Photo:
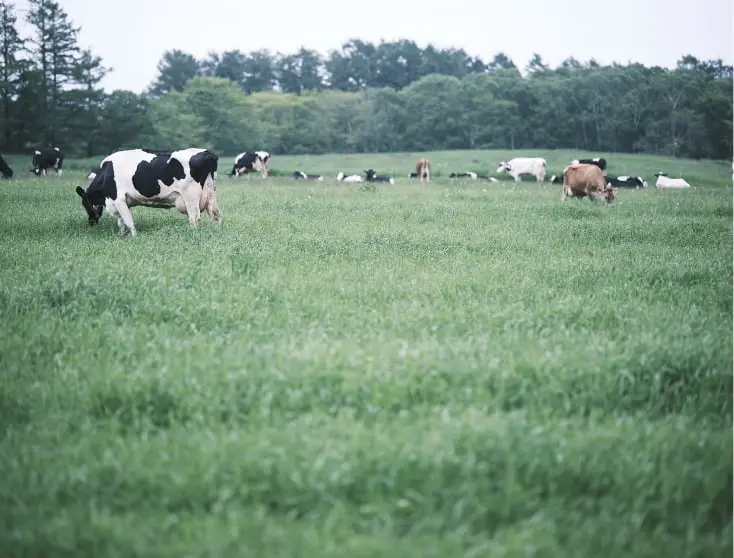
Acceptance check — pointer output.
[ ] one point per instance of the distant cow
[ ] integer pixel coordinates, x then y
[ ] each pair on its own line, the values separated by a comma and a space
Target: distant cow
47, 158
5, 169
626, 181
423, 169
372, 176
489, 178
664, 182
349, 179
524, 165
298, 175
185, 179
471, 175
598, 161
581, 180
252, 161
556, 179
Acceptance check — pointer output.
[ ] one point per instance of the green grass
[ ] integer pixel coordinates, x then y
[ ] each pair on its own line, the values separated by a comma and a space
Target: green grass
458, 369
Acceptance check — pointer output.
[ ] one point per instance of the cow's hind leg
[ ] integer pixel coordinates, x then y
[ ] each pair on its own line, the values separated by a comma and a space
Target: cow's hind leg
212, 208
191, 201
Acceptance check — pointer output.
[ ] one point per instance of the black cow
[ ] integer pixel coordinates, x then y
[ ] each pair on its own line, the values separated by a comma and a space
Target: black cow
5, 169
247, 162
598, 161
47, 158
372, 176
626, 181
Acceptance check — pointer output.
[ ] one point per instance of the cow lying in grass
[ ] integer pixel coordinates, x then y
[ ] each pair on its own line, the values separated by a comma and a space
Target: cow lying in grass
352, 178
664, 181
372, 176
184, 179
298, 175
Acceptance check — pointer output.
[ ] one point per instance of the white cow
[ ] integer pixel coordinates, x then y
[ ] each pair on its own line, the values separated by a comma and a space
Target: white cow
349, 179
184, 179
664, 181
524, 165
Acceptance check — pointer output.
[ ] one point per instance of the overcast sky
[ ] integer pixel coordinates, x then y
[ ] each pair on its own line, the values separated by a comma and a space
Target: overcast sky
131, 35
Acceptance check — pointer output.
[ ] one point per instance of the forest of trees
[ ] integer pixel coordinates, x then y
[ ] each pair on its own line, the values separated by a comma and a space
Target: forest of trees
393, 96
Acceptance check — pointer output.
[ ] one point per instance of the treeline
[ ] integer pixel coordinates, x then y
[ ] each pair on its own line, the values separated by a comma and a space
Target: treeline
394, 96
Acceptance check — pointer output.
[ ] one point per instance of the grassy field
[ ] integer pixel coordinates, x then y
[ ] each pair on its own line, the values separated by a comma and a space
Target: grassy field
458, 369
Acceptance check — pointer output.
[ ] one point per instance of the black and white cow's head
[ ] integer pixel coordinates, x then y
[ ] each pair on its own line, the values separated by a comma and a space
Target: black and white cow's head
504, 167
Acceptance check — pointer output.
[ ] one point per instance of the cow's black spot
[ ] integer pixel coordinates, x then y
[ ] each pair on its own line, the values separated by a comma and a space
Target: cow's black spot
172, 171
145, 180
202, 165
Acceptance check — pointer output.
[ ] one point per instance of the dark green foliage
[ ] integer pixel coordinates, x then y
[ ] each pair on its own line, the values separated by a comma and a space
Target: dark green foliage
361, 98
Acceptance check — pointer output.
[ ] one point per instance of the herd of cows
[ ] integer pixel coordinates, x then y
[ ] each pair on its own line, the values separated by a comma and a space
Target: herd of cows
186, 179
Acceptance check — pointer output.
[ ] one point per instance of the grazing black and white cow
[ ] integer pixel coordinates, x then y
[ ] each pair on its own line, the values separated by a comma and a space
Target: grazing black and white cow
251, 161
372, 176
626, 181
5, 169
598, 161
298, 175
47, 158
470, 175
185, 179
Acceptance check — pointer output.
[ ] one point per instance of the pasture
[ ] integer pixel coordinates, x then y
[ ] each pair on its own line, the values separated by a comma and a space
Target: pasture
453, 369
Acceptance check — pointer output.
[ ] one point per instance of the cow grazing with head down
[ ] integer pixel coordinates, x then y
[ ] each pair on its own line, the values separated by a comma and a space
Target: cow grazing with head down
598, 161
664, 181
524, 165
298, 175
423, 169
372, 176
352, 178
185, 179
47, 158
252, 161
626, 181
5, 169
581, 180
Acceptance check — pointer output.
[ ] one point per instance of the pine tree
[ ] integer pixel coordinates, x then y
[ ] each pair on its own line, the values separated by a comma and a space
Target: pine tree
12, 65
55, 51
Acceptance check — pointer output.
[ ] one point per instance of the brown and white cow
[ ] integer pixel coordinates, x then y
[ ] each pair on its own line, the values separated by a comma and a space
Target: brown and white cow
423, 169
581, 180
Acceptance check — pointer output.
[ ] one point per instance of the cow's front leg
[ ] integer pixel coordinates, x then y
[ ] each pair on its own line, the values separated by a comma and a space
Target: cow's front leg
127, 217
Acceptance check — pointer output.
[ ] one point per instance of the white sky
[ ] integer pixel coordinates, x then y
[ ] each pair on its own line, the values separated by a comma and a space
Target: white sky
131, 35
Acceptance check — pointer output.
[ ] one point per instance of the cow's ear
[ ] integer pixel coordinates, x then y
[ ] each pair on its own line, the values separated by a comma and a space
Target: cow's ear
80, 191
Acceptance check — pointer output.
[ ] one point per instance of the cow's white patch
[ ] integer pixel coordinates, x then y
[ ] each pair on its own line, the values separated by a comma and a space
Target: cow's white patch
623, 178
57, 149
38, 152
